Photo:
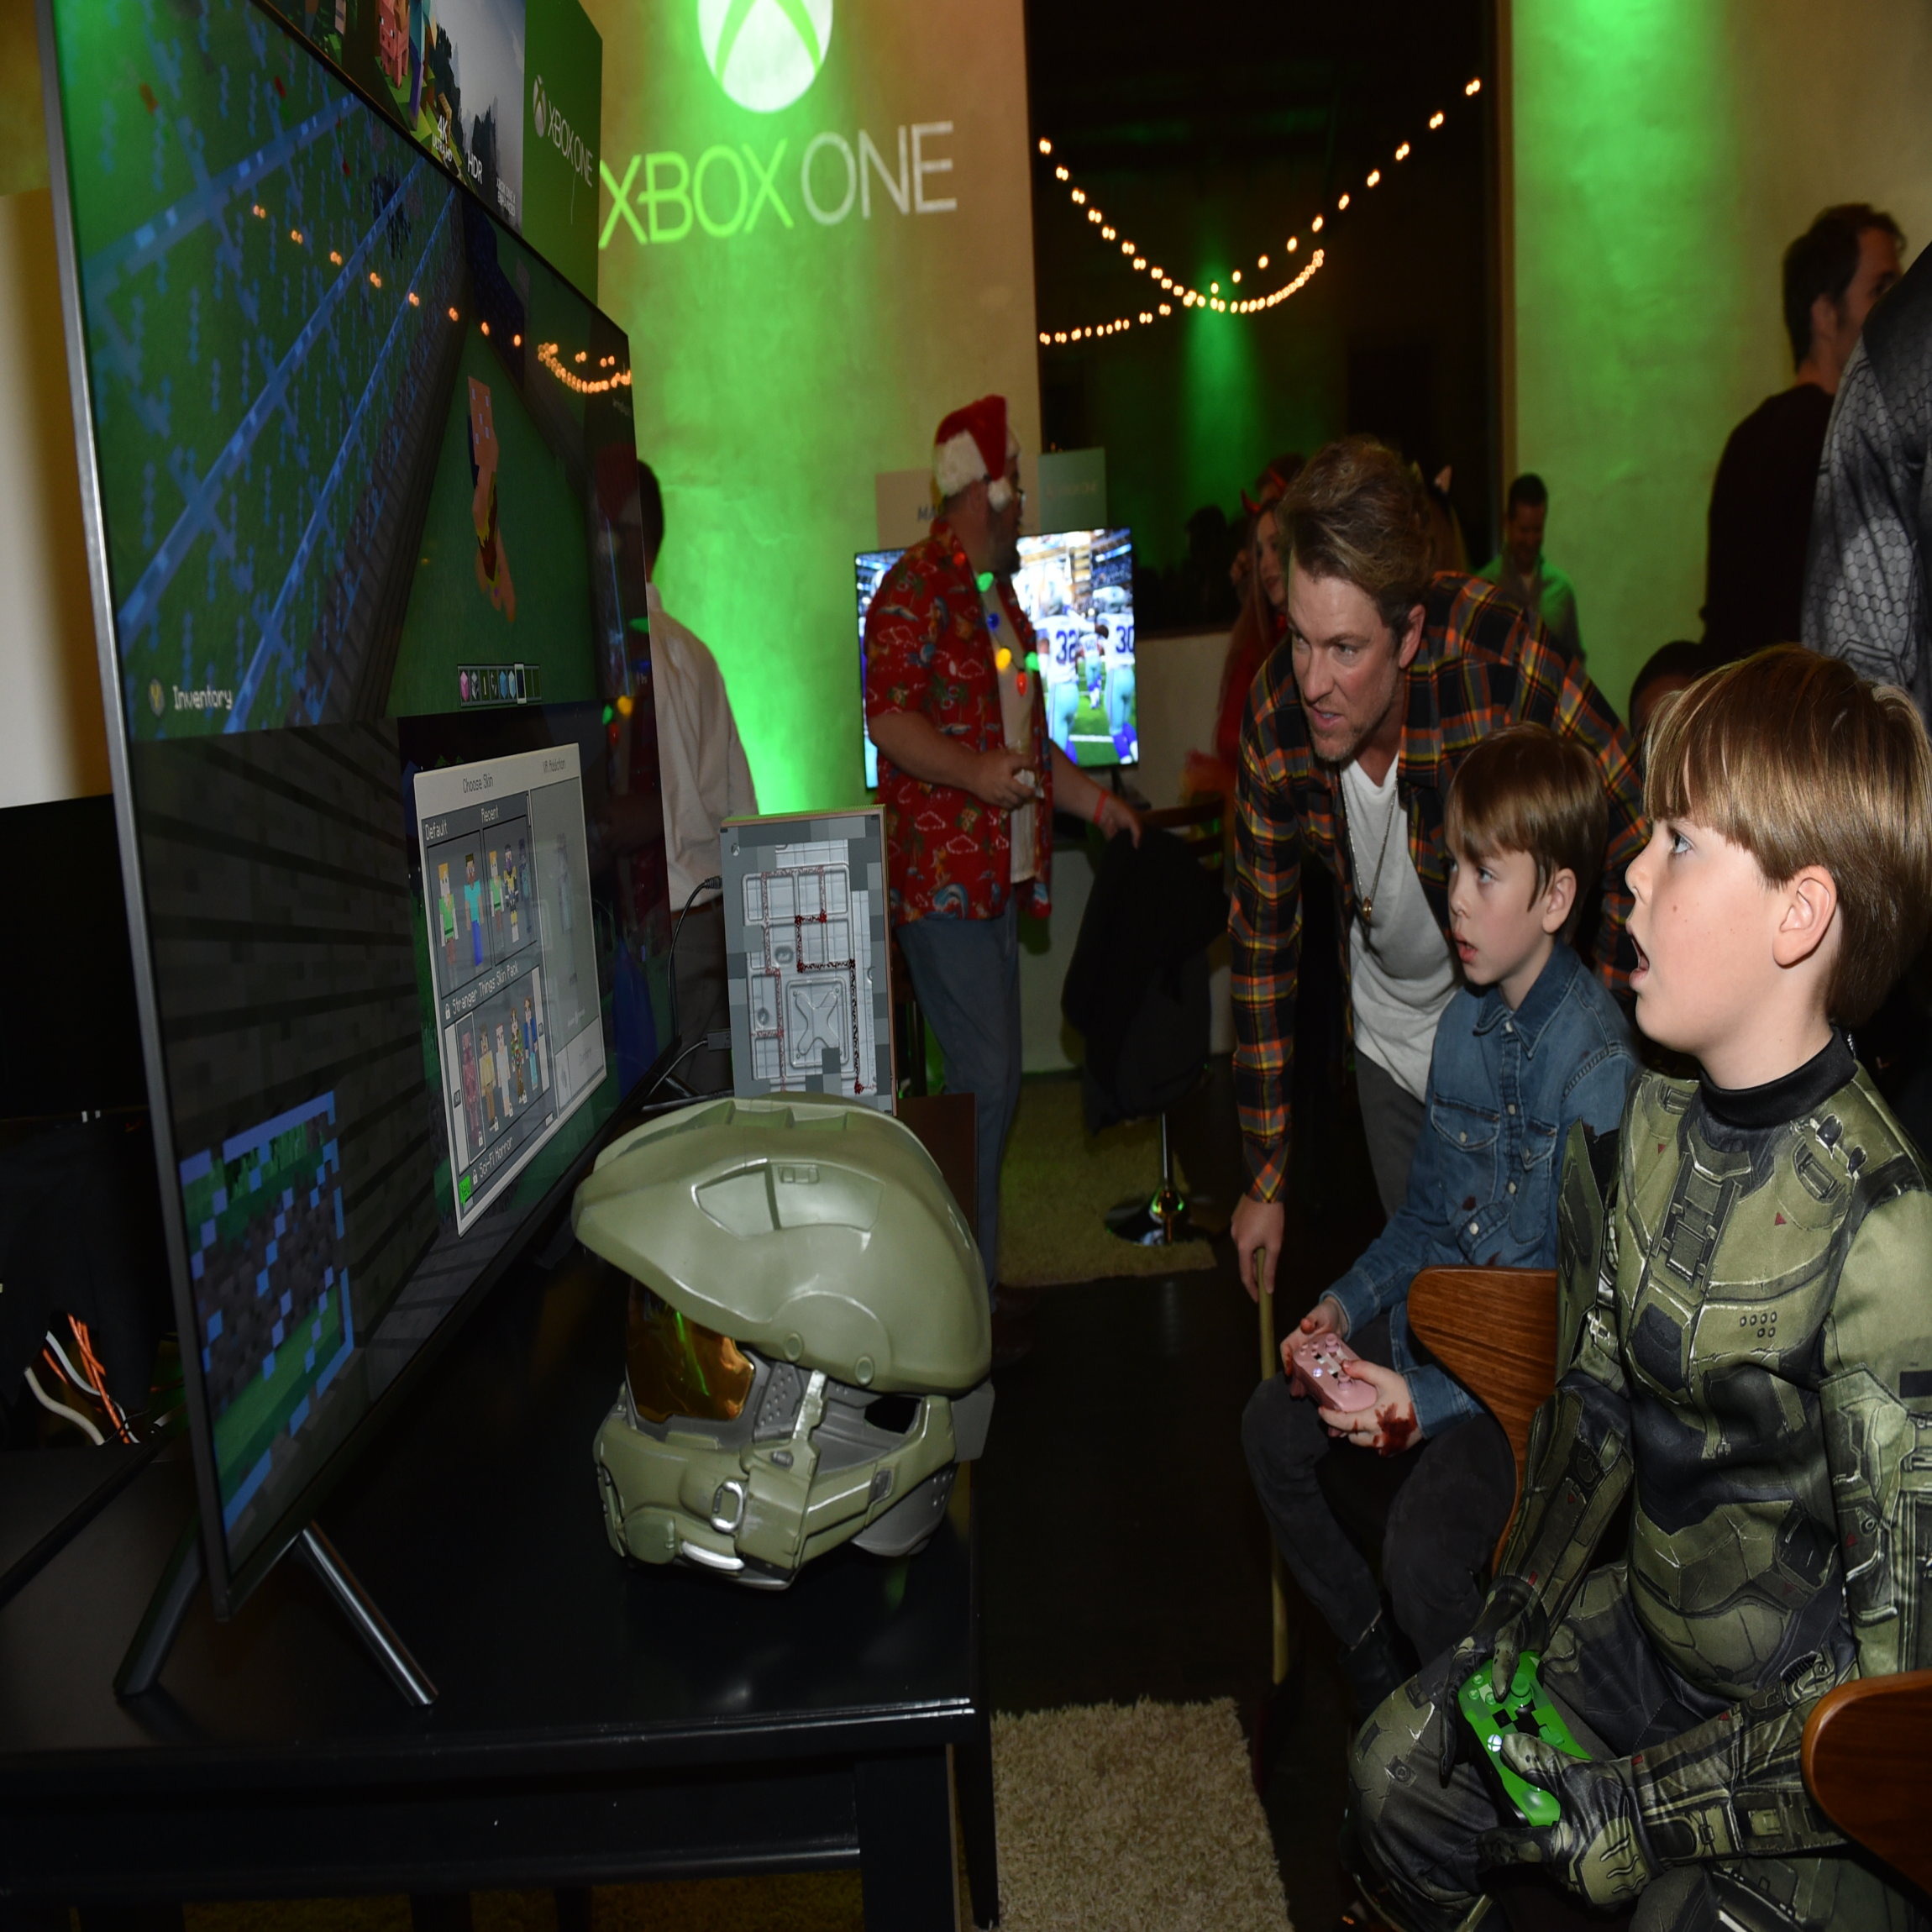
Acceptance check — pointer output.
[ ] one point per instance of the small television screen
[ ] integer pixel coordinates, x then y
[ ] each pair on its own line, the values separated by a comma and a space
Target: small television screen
361, 481
1076, 589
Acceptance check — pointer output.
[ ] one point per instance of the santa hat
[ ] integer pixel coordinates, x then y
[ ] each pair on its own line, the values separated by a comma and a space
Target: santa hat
972, 445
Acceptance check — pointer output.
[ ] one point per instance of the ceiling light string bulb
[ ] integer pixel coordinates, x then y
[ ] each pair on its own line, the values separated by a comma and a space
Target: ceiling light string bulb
1192, 297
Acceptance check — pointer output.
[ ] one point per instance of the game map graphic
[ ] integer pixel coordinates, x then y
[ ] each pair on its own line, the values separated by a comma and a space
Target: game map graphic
805, 953
331, 400
511, 950
268, 1263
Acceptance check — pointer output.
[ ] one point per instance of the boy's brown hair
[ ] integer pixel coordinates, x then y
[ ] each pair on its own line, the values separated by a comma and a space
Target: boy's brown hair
1800, 761
1527, 790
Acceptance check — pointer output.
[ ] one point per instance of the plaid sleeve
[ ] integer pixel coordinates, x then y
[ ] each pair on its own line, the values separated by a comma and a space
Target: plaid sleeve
1265, 933
1555, 690
900, 631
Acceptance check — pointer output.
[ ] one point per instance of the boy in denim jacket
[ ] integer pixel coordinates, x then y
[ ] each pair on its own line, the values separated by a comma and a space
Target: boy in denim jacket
1530, 1044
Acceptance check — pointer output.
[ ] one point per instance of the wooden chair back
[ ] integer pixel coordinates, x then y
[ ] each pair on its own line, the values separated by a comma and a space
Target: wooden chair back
1868, 1757
1494, 1329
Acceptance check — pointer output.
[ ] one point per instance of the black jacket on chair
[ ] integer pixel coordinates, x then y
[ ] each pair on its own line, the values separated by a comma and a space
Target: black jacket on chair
1137, 987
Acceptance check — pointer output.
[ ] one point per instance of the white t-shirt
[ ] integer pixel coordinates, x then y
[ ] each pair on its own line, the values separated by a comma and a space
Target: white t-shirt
1401, 973
703, 772
1016, 719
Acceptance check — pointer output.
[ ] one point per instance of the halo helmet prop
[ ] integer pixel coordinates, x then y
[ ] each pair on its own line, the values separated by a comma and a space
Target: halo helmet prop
808, 1341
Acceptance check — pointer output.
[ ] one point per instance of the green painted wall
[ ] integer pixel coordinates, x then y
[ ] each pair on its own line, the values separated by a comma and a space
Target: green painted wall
782, 357
1664, 153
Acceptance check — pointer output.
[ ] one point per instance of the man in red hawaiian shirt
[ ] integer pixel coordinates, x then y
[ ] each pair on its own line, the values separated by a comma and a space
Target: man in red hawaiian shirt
967, 774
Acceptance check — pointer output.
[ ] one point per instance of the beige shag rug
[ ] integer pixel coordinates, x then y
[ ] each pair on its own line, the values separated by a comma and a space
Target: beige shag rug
1127, 1818
1112, 1819
1058, 1182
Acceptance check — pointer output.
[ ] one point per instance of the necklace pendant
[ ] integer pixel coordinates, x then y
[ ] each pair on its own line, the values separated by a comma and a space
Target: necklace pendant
1367, 910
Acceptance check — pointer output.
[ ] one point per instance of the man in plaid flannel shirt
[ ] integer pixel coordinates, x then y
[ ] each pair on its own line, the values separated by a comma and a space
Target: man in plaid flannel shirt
1387, 677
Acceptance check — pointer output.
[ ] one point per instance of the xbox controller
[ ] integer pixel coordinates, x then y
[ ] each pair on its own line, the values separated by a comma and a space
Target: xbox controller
1322, 1361
1524, 1707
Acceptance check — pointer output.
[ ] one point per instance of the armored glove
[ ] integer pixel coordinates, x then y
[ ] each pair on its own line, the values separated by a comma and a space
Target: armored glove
1511, 1621
1597, 1848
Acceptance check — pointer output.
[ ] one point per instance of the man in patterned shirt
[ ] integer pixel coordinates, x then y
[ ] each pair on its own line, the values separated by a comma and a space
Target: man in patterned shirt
1353, 731
967, 775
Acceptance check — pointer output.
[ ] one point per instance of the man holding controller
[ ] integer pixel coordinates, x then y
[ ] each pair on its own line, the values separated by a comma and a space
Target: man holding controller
969, 779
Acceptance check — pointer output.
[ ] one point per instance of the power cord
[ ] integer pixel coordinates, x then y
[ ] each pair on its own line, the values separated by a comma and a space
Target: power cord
713, 884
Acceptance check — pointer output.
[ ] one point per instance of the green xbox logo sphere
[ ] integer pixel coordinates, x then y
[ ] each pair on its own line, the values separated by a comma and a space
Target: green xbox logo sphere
765, 53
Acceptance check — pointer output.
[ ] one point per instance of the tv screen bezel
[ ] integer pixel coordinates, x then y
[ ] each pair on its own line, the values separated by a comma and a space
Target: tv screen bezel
230, 1584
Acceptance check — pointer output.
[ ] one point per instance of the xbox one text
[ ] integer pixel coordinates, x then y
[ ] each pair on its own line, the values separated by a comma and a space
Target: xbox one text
663, 196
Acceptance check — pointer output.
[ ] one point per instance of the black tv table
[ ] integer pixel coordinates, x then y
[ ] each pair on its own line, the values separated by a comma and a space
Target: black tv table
598, 1722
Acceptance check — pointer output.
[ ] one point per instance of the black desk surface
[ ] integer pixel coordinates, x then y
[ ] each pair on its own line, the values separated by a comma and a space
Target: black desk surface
475, 1525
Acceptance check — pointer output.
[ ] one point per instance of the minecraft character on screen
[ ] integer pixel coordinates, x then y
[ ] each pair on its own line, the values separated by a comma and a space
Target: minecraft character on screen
539, 1073
472, 1102
473, 904
517, 1051
513, 893
486, 1071
446, 911
1744, 1272
503, 1075
492, 560
496, 897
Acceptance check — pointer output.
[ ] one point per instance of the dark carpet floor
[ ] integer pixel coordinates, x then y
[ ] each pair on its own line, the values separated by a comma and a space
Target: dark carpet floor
1125, 1556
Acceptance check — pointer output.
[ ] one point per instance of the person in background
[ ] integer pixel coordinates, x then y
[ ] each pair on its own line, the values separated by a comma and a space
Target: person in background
1666, 670
1351, 736
969, 780
1761, 500
1865, 585
1521, 572
1532, 1043
1867, 601
1448, 549
1257, 630
705, 779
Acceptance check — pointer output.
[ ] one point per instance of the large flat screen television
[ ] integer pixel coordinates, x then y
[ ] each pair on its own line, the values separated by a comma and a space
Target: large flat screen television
1076, 589
360, 485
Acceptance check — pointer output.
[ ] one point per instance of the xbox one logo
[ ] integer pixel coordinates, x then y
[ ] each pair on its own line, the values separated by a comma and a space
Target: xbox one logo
765, 53
536, 106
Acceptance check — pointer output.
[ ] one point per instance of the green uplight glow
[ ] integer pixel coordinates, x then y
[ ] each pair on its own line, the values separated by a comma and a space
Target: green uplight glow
753, 335
1633, 295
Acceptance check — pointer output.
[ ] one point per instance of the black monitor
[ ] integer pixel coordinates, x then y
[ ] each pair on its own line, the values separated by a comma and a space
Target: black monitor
359, 481
1076, 589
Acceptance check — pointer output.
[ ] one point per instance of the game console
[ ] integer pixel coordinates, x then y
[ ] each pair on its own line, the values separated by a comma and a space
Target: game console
1322, 1361
1524, 1707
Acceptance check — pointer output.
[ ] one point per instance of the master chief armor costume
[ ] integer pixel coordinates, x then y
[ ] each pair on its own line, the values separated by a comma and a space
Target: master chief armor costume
808, 1338
1745, 1337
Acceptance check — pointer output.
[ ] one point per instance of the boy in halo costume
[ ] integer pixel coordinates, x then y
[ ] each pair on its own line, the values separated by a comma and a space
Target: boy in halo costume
1745, 1341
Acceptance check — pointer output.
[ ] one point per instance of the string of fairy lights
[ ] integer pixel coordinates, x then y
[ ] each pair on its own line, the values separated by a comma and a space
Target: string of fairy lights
1176, 295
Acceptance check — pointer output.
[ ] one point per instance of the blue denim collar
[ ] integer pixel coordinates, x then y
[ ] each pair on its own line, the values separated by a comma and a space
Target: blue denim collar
1539, 1003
